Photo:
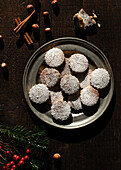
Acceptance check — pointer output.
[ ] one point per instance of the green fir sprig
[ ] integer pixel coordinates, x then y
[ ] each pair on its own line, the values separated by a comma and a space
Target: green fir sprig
34, 138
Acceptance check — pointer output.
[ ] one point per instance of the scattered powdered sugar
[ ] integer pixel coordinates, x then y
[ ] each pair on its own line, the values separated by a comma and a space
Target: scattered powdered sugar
69, 84
56, 96
54, 57
76, 104
60, 110
89, 96
78, 63
39, 93
49, 76
66, 70
87, 80
100, 78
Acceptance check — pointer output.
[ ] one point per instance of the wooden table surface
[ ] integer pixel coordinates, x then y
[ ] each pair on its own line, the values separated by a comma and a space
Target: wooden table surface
97, 146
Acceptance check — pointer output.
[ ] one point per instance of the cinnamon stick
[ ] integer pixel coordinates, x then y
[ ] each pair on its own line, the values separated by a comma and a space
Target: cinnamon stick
20, 25
25, 35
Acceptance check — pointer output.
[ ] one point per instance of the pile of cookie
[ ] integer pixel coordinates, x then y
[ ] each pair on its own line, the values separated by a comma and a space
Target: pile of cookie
78, 84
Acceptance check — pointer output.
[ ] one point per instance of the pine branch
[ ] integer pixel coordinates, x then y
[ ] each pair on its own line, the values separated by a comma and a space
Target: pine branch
3, 129
34, 138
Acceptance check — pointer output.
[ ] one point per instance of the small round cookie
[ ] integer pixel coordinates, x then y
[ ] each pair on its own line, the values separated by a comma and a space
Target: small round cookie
54, 57
100, 78
69, 84
39, 93
61, 110
78, 63
89, 96
49, 76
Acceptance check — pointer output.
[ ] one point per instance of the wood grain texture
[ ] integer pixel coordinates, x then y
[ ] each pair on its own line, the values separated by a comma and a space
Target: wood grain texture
98, 146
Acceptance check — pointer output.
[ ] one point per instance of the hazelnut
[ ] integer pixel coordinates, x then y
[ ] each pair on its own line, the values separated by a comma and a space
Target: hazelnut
3, 65
47, 29
54, 2
35, 26
29, 6
45, 13
56, 156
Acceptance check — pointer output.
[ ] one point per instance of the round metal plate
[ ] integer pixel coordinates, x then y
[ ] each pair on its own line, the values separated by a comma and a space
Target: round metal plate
69, 45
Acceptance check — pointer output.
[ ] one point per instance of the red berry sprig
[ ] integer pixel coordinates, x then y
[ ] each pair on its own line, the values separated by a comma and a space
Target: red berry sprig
18, 160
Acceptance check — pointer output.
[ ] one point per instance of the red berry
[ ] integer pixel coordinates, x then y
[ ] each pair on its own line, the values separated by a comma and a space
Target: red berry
27, 151
11, 163
22, 159
14, 166
4, 167
0, 147
17, 158
14, 156
21, 162
8, 152
8, 165
12, 169
26, 157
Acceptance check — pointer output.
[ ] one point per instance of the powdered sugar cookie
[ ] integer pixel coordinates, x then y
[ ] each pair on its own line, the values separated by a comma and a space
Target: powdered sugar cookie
89, 96
54, 57
49, 76
39, 93
69, 84
100, 78
78, 63
61, 110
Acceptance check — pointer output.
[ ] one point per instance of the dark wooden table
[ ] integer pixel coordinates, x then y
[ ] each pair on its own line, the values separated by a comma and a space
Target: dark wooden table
97, 146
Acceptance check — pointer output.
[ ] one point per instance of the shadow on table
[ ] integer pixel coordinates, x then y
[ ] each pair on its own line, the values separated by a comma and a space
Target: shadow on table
84, 33
80, 134
5, 72
56, 9
1, 45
